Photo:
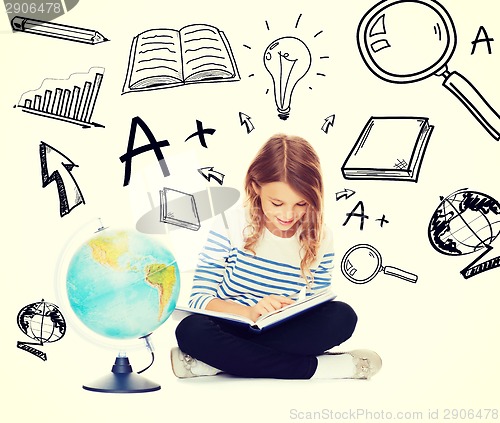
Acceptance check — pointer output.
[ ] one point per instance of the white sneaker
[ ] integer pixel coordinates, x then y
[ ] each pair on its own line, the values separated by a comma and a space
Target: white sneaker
185, 366
367, 363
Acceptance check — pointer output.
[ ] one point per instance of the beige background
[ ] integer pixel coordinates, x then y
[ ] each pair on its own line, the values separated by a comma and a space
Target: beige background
438, 338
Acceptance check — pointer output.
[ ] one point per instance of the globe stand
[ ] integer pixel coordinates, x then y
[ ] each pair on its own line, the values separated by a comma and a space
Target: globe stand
122, 380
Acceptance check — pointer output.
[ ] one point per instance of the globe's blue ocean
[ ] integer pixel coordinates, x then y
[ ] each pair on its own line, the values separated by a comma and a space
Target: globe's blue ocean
122, 284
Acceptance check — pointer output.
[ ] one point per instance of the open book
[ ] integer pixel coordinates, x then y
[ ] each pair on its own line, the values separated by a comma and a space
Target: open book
266, 320
164, 58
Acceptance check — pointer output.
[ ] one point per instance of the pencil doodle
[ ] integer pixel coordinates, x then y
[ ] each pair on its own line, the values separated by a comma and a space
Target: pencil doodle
59, 172
71, 100
362, 262
209, 173
466, 222
245, 120
44, 323
179, 208
329, 120
393, 28
209, 202
165, 58
481, 32
56, 30
389, 148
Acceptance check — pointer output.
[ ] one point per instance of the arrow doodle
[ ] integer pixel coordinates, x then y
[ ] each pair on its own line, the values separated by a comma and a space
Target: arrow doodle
59, 162
245, 120
346, 193
328, 123
209, 173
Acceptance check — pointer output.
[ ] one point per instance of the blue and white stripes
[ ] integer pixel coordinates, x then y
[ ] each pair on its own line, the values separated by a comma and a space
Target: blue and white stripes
228, 272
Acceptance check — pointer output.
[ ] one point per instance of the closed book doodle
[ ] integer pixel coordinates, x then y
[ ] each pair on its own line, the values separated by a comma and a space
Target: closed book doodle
390, 148
179, 208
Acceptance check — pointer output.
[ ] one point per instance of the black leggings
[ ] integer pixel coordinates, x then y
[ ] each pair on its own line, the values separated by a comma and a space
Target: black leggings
285, 351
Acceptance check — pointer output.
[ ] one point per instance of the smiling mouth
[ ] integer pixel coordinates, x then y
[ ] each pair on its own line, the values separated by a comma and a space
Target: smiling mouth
285, 222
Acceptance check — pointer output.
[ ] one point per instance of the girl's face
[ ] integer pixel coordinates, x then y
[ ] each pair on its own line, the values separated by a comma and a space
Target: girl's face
282, 206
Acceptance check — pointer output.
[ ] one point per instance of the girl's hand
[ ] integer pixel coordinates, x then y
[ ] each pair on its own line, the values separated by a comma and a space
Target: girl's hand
268, 304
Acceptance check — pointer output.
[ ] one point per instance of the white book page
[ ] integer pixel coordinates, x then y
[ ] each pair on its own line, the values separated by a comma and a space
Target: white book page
204, 54
156, 59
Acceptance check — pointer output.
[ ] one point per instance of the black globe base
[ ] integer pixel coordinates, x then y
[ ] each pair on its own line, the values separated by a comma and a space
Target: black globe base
122, 380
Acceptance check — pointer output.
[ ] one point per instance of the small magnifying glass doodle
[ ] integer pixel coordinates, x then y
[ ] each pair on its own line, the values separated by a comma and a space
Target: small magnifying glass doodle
404, 41
363, 262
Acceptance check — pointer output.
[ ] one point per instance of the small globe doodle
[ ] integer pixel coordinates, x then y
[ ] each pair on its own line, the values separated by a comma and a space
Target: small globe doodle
43, 322
466, 222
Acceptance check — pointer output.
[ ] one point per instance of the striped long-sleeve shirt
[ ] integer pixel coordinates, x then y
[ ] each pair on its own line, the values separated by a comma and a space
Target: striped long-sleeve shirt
226, 271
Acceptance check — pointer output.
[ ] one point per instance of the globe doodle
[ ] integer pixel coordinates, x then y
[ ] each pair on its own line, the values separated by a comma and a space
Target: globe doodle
464, 222
42, 321
122, 284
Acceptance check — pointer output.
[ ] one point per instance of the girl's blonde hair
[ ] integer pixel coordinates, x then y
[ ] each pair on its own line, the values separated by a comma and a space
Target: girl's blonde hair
292, 160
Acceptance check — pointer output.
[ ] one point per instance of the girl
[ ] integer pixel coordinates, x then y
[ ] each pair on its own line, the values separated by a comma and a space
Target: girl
257, 262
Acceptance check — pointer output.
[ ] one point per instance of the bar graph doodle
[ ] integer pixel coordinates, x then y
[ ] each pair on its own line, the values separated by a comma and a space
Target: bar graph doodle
59, 171
362, 262
466, 222
71, 100
404, 41
43, 322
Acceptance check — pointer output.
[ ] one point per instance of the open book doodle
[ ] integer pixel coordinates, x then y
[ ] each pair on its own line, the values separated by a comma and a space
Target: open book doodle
303, 303
390, 148
165, 58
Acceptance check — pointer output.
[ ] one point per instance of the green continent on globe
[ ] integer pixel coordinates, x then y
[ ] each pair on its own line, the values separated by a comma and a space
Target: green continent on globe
161, 277
107, 250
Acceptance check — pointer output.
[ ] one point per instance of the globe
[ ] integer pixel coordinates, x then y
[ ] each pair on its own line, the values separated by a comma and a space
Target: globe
42, 321
464, 222
122, 284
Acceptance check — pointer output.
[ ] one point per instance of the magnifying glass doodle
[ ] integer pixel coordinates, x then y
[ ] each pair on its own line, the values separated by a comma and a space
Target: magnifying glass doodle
404, 41
363, 262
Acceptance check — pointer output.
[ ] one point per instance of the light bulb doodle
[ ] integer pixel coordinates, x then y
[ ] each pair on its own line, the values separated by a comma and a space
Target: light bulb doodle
288, 60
